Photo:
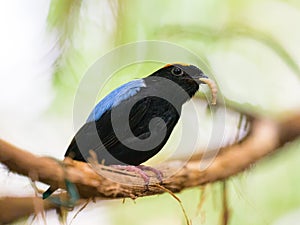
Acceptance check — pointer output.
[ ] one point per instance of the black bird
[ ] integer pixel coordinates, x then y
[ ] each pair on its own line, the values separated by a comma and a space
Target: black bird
132, 123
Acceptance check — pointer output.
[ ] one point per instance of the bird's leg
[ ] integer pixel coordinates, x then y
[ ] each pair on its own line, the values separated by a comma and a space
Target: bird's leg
135, 169
157, 172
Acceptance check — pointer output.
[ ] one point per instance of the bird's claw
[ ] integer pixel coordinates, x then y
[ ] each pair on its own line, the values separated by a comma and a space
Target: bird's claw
158, 173
140, 170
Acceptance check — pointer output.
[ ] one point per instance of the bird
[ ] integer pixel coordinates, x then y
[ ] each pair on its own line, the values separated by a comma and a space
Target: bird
133, 122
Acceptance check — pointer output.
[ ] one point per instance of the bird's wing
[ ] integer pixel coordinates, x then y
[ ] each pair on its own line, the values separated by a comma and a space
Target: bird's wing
87, 138
109, 138
117, 96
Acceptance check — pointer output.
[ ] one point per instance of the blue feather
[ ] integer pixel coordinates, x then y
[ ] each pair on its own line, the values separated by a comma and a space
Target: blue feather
115, 97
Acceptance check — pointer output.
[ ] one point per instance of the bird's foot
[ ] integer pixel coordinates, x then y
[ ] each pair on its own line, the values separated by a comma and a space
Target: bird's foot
134, 169
158, 173
140, 170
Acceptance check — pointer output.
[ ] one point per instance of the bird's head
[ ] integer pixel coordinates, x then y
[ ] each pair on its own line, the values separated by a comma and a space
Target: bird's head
187, 76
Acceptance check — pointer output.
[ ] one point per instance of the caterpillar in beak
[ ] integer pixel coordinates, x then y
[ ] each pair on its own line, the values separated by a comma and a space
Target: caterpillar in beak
213, 87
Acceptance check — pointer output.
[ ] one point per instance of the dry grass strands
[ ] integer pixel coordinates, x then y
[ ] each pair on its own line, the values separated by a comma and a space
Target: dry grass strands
80, 210
188, 222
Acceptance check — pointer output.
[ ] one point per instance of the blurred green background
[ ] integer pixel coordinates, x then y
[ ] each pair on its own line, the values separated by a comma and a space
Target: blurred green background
253, 50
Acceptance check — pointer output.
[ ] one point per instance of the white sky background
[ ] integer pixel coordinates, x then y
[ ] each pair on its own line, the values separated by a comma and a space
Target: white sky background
25, 88
26, 53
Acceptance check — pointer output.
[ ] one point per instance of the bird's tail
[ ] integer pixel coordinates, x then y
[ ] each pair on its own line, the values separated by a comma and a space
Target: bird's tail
49, 191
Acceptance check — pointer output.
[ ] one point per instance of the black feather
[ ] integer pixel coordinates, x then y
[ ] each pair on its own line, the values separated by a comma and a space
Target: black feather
146, 105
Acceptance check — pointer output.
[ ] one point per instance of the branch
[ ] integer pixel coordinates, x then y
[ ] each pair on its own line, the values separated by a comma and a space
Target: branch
94, 180
13, 208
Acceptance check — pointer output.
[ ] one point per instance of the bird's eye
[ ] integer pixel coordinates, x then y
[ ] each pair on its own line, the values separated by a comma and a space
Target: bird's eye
177, 71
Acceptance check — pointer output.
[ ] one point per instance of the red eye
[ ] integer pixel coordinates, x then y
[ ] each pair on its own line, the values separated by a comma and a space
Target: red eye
177, 71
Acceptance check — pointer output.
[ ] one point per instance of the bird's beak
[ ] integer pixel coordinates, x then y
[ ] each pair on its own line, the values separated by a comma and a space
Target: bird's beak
213, 87
202, 76
197, 77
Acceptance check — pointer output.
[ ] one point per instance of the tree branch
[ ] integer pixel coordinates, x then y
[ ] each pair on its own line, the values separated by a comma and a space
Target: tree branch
13, 208
95, 180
